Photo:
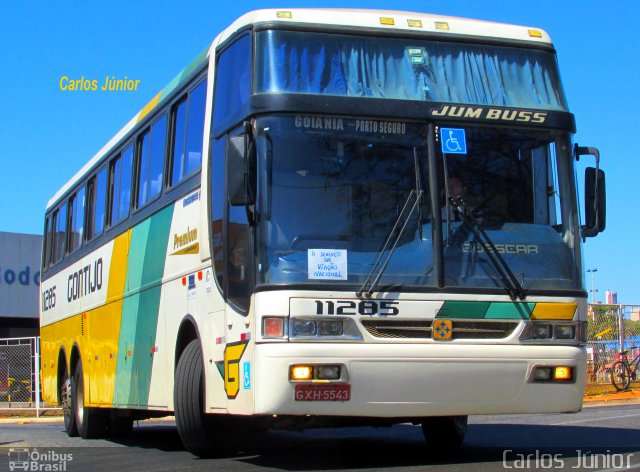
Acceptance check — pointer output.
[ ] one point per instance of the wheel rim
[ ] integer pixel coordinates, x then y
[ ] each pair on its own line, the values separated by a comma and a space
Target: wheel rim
66, 397
79, 400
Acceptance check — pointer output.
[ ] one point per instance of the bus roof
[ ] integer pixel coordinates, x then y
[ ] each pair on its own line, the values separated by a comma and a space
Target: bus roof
381, 19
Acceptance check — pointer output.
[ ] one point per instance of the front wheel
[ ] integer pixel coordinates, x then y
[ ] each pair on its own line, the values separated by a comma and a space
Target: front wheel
445, 432
194, 426
620, 375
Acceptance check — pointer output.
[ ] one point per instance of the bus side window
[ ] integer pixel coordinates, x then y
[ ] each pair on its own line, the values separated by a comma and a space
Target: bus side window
188, 132
59, 233
120, 186
151, 162
96, 199
46, 247
76, 220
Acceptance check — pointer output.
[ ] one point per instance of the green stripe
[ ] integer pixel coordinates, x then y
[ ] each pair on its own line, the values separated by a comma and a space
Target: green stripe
508, 311
486, 310
145, 267
463, 309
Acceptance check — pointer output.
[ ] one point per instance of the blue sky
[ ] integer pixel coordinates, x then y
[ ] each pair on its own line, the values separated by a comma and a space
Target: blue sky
48, 134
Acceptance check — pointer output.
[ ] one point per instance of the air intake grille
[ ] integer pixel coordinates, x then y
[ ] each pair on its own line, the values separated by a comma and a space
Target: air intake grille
421, 329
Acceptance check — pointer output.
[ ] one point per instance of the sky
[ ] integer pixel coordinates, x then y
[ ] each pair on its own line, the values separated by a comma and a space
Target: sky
48, 134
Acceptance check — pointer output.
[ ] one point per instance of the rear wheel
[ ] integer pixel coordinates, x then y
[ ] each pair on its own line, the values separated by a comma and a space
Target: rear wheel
445, 432
620, 375
194, 426
91, 422
65, 396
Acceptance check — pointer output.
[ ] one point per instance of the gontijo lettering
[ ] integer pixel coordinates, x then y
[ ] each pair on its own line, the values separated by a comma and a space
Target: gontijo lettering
85, 281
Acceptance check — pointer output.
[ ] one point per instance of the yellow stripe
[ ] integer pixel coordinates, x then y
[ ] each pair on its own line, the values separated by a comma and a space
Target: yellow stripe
148, 107
104, 324
554, 311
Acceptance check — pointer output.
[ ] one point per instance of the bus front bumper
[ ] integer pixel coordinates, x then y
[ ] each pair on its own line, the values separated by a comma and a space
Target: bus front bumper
417, 380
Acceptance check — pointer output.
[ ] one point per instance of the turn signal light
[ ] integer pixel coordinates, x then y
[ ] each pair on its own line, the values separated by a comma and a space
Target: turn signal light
273, 327
563, 373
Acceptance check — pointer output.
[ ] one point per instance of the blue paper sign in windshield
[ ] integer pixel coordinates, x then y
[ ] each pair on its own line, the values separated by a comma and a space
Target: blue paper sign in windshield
453, 140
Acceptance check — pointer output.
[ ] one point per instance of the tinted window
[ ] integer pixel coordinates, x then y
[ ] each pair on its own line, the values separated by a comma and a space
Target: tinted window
76, 209
151, 162
188, 134
217, 207
195, 128
121, 186
59, 238
233, 85
98, 193
47, 242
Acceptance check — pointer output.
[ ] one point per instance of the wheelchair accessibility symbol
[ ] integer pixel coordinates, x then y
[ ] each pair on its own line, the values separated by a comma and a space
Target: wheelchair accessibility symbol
453, 140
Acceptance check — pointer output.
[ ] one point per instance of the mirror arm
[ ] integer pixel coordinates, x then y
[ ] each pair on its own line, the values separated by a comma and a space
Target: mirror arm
587, 151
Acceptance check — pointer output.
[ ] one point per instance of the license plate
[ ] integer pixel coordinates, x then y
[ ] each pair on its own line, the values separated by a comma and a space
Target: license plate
323, 392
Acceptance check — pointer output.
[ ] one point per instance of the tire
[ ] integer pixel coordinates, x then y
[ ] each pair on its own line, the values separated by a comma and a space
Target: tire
91, 422
65, 396
620, 375
194, 426
444, 432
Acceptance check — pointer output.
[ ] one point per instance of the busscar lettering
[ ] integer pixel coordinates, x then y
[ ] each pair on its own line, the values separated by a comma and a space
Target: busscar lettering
504, 248
85, 281
496, 114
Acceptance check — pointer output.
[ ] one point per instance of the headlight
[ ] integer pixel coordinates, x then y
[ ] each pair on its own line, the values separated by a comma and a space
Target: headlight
565, 331
562, 332
541, 331
331, 328
304, 328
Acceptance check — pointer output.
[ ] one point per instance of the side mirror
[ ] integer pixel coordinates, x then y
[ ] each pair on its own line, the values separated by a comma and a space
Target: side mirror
595, 202
241, 170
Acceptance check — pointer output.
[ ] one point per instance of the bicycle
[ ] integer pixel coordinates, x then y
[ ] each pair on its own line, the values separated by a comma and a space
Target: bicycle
623, 371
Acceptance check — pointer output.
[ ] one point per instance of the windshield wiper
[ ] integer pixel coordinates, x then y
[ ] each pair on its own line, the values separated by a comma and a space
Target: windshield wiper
401, 220
416, 194
509, 280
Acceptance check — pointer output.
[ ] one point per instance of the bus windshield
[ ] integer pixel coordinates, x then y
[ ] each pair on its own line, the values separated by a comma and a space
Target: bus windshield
407, 69
332, 188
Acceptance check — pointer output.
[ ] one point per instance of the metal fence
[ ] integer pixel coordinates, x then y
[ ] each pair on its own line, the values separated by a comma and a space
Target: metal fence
20, 374
610, 330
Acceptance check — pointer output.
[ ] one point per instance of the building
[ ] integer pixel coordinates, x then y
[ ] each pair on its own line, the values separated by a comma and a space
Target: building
19, 284
612, 297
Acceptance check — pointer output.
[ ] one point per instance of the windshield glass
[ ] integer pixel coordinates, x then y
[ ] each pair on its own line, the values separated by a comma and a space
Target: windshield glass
407, 69
332, 191
514, 184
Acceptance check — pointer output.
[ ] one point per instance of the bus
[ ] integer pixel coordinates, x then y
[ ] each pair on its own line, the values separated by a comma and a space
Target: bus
330, 218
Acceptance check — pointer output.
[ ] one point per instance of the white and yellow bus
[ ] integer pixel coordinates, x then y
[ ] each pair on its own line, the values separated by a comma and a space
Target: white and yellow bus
331, 217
